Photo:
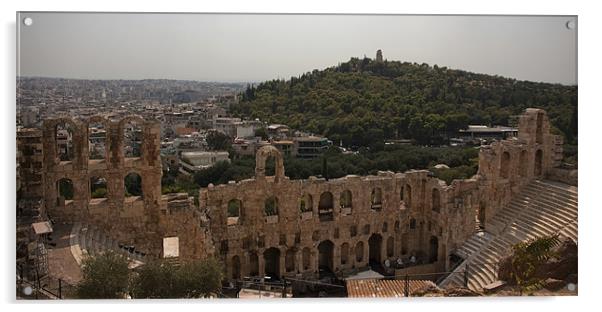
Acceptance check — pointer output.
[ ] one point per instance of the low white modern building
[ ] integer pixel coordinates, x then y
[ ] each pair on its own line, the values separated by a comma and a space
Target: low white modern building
191, 162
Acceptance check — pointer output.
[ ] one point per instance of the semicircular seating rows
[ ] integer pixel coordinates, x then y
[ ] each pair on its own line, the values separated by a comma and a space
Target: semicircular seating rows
88, 240
541, 208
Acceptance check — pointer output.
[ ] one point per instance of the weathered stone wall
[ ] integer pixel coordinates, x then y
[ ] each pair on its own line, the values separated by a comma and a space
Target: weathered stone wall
136, 220
568, 176
505, 166
390, 215
30, 184
448, 218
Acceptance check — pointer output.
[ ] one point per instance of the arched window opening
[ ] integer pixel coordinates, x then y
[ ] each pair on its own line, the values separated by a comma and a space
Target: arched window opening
344, 253
272, 262
359, 252
98, 187
436, 200
376, 201
235, 267
326, 257
505, 165
325, 207
390, 247
306, 258
64, 141
401, 193
253, 264
270, 166
404, 244
434, 250
234, 209
271, 206
133, 185
132, 139
64, 191
289, 260
346, 200
306, 203
97, 136
375, 243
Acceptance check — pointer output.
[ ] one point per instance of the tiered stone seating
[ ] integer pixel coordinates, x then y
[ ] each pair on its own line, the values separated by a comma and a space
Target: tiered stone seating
473, 244
88, 240
542, 208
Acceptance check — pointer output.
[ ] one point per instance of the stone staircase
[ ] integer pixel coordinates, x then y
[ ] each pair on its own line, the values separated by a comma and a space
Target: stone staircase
542, 208
88, 240
474, 244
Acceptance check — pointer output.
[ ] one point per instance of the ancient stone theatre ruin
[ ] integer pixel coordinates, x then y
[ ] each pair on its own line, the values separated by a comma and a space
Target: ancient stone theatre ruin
272, 225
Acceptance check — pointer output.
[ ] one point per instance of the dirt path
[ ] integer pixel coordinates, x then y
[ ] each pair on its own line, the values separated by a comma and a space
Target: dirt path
61, 263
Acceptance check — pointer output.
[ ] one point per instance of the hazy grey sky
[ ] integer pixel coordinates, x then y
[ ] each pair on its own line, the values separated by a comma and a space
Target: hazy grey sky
212, 47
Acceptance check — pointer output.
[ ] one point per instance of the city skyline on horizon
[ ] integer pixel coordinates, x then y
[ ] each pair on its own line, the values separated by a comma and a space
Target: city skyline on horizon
532, 48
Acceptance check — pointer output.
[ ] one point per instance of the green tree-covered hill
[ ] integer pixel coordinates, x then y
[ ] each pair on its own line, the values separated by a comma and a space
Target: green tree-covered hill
363, 101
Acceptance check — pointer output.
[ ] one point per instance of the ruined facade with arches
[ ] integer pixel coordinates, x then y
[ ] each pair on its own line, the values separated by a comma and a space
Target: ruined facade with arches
506, 166
272, 225
349, 223
118, 190
340, 225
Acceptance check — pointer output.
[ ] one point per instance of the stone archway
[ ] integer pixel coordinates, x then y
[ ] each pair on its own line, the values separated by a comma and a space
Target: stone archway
64, 191
234, 211
98, 187
306, 259
325, 256
235, 267
375, 243
63, 140
271, 259
289, 260
132, 136
359, 252
326, 207
253, 264
390, 247
64, 137
344, 253
98, 138
433, 249
260, 159
376, 200
133, 185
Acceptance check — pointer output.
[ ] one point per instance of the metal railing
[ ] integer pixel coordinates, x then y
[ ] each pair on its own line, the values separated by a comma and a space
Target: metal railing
31, 285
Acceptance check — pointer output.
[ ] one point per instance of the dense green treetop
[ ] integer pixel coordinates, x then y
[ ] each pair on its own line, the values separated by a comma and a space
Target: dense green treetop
104, 277
360, 100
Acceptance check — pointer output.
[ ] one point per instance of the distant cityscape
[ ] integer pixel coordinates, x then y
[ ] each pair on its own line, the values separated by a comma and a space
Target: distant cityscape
188, 111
